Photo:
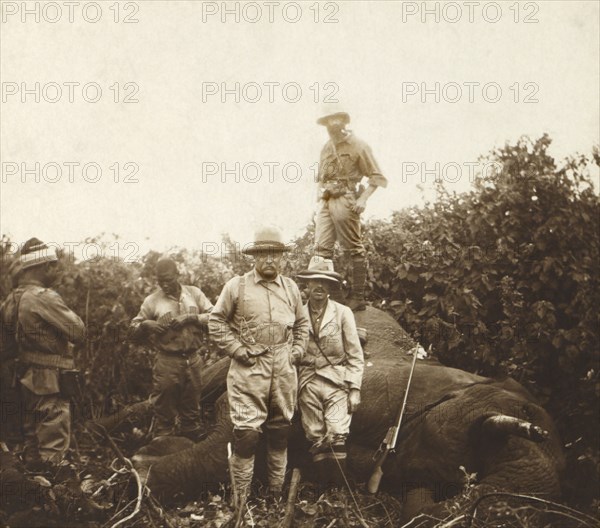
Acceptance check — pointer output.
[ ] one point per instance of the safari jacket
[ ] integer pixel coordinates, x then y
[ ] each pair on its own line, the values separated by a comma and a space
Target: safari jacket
47, 327
269, 314
340, 359
350, 159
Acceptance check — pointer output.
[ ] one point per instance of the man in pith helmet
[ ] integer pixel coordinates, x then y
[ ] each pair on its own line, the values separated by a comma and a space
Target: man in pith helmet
44, 330
330, 373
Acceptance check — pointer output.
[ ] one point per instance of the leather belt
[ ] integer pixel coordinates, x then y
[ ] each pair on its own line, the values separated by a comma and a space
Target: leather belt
268, 348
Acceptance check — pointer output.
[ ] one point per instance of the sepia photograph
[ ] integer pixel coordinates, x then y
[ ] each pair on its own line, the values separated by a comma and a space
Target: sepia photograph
311, 264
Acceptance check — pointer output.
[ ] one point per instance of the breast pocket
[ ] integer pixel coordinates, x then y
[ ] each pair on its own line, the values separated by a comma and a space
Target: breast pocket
192, 309
348, 162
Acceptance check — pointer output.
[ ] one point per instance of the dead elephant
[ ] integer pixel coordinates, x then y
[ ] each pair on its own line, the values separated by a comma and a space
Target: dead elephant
456, 423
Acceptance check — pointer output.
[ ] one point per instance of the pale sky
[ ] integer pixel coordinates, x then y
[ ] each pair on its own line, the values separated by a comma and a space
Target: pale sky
178, 129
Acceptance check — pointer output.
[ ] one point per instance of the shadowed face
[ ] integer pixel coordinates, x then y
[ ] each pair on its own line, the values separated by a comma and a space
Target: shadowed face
335, 125
50, 273
167, 280
318, 289
268, 263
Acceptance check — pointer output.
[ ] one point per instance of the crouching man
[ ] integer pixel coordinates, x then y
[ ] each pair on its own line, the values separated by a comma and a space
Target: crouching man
330, 373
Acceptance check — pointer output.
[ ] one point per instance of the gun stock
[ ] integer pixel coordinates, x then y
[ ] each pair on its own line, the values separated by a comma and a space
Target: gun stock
376, 476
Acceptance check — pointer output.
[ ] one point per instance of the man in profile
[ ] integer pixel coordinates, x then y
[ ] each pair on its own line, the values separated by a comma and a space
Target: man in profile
43, 330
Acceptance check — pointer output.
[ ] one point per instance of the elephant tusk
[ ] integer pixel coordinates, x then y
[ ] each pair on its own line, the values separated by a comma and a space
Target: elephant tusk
503, 424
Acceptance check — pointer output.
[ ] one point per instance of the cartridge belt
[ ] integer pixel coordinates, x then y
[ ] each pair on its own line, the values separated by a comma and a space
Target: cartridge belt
42, 359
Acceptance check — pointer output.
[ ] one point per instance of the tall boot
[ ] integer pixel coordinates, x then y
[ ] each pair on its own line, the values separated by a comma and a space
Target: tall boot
323, 474
359, 279
242, 470
276, 465
337, 473
331, 472
277, 439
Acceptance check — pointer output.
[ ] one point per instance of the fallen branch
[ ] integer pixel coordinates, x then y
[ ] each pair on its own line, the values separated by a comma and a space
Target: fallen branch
421, 517
106, 484
138, 504
152, 502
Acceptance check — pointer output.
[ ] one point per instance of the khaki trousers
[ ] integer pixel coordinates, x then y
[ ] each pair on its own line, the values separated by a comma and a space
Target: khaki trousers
176, 386
336, 221
324, 412
263, 394
46, 425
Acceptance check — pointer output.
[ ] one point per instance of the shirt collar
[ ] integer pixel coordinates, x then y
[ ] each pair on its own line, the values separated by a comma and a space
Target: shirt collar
173, 297
257, 278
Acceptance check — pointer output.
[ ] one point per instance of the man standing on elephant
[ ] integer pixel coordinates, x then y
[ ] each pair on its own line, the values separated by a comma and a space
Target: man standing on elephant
345, 161
44, 329
330, 373
172, 320
259, 321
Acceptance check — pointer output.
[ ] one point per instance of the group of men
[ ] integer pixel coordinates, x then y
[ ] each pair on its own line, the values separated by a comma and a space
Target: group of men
285, 354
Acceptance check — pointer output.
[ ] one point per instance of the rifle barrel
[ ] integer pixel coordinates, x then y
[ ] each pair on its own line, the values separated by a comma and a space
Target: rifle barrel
376, 476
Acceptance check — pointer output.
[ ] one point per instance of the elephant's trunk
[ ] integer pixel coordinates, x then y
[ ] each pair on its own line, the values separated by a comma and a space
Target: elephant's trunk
501, 424
200, 468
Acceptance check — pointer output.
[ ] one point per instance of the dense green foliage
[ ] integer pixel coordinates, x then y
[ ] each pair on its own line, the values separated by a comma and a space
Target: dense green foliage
502, 280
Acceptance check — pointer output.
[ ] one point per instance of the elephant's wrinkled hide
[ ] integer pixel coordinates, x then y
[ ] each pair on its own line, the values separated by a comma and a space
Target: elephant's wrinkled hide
440, 431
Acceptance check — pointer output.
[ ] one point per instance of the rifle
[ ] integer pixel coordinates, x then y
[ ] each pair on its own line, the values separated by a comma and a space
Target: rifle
389, 442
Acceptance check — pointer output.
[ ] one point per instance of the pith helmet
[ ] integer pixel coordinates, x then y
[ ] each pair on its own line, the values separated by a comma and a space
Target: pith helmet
320, 268
330, 110
266, 238
35, 252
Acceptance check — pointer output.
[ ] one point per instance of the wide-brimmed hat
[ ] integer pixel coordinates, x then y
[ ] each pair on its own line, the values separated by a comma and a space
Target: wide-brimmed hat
330, 110
320, 268
266, 239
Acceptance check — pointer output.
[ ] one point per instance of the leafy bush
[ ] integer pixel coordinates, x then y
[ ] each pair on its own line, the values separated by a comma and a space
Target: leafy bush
504, 280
